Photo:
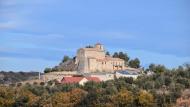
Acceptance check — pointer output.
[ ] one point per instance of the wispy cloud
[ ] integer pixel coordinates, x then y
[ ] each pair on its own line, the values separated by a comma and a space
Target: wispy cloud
35, 45
8, 25
10, 18
25, 64
16, 14
148, 57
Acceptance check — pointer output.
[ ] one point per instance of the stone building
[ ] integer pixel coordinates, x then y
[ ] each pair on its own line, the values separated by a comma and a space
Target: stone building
94, 59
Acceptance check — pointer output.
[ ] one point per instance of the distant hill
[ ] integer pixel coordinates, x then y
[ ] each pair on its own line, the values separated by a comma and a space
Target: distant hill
13, 77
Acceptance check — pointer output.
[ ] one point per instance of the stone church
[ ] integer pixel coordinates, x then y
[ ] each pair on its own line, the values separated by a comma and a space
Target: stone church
94, 59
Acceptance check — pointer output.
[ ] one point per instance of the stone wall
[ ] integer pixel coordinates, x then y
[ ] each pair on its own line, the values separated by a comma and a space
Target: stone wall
95, 54
57, 75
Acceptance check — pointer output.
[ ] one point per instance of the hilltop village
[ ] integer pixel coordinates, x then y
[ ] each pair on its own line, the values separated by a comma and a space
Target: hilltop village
91, 64
94, 78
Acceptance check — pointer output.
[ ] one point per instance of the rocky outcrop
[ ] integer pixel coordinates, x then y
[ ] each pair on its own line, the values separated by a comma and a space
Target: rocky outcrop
67, 66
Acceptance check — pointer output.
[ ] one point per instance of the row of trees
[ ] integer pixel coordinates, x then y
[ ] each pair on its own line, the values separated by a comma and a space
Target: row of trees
91, 94
134, 63
158, 90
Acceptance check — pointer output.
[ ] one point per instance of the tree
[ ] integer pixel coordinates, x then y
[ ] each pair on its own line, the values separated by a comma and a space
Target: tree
6, 96
121, 55
74, 58
42, 83
61, 99
65, 58
180, 68
157, 68
115, 55
89, 46
76, 95
152, 67
107, 53
187, 66
47, 70
56, 68
167, 80
25, 98
134, 63
184, 82
145, 99
68, 99
50, 83
110, 88
124, 56
123, 99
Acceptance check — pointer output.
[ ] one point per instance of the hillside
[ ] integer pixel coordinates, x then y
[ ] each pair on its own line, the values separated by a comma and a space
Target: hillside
164, 88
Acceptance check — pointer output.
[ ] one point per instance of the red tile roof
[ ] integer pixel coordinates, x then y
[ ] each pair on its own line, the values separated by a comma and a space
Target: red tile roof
95, 79
71, 80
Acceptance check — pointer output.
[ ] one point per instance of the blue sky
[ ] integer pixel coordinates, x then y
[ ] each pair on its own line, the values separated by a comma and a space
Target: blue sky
35, 34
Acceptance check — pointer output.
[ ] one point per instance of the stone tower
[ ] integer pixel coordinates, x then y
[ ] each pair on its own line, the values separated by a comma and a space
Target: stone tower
99, 46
